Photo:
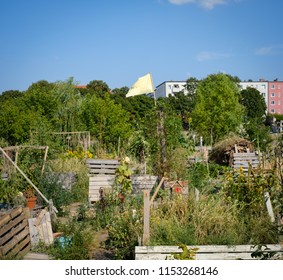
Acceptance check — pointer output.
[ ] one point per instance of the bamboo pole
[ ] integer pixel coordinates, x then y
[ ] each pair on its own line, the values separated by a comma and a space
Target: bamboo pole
157, 189
27, 179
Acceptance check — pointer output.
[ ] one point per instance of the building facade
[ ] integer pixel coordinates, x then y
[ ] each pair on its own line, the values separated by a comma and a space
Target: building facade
170, 88
275, 96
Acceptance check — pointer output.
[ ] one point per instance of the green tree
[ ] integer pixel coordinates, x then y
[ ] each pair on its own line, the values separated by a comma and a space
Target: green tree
70, 100
254, 103
98, 87
10, 94
106, 120
217, 109
255, 115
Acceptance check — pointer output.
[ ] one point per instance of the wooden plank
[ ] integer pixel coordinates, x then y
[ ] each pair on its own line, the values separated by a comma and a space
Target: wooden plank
13, 232
19, 247
102, 171
207, 256
11, 224
33, 231
245, 155
10, 215
204, 248
49, 228
40, 217
36, 256
15, 240
102, 161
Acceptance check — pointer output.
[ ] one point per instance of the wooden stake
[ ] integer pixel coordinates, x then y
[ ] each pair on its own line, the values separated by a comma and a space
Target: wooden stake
146, 216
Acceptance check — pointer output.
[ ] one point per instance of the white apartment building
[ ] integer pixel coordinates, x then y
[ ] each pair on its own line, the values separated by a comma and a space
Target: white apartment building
170, 87
261, 86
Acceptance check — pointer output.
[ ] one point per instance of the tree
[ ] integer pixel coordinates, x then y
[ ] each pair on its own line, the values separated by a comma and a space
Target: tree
217, 110
98, 87
10, 94
107, 121
255, 111
254, 103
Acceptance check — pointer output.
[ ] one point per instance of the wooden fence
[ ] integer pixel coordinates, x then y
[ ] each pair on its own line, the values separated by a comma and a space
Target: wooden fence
101, 176
14, 233
207, 252
245, 160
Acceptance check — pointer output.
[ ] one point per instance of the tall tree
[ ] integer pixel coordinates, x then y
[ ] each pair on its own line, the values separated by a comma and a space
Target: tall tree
217, 109
254, 103
98, 87
255, 115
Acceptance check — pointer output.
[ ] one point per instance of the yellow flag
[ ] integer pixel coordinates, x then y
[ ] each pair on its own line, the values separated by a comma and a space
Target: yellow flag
143, 85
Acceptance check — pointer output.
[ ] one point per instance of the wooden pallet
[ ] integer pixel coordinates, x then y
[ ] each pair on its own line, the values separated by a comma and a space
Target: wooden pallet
14, 233
245, 161
101, 174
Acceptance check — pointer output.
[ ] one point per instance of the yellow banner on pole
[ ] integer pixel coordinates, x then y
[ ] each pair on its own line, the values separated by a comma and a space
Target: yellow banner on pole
143, 85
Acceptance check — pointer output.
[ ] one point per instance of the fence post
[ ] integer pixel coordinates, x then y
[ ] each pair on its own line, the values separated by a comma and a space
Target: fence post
146, 216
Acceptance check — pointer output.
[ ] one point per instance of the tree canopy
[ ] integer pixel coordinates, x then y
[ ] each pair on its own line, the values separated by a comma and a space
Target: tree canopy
217, 109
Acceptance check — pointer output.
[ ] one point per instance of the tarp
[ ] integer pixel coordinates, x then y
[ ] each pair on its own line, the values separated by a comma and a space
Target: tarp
143, 85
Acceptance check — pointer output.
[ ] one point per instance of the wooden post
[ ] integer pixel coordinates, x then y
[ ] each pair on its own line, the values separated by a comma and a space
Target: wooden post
157, 189
146, 216
44, 159
269, 207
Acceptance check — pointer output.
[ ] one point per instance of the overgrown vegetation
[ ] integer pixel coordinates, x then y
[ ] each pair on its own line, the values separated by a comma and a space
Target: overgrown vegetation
222, 206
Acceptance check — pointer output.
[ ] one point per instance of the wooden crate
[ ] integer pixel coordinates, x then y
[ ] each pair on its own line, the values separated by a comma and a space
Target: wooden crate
14, 233
205, 252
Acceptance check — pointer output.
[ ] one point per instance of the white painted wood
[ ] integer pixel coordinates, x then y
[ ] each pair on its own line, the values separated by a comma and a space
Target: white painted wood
269, 207
204, 252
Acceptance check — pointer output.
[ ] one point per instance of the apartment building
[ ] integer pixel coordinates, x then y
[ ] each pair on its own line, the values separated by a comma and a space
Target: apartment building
170, 88
275, 97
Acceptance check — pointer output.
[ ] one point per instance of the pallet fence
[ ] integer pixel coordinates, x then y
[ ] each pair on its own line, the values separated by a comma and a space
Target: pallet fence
14, 233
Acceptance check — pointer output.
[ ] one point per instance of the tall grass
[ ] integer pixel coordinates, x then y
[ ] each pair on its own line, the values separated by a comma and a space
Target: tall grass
210, 220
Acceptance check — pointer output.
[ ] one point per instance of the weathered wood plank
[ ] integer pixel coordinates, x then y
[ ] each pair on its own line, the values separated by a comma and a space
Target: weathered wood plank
102, 161
209, 252
10, 215
13, 232
19, 247
11, 224
102, 171
15, 240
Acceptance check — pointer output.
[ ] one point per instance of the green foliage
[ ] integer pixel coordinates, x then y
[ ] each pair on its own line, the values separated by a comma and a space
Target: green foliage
217, 109
124, 233
187, 254
123, 177
210, 220
106, 120
262, 252
79, 240
8, 192
251, 99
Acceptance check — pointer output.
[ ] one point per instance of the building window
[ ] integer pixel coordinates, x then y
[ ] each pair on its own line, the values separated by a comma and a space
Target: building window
272, 102
263, 86
263, 94
272, 111
278, 102
272, 94
278, 86
176, 86
272, 86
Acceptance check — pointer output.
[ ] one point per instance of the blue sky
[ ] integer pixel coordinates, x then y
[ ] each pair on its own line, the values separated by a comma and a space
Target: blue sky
118, 41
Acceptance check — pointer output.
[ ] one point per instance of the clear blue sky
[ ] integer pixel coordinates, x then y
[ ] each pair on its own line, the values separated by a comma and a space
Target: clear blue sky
118, 41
